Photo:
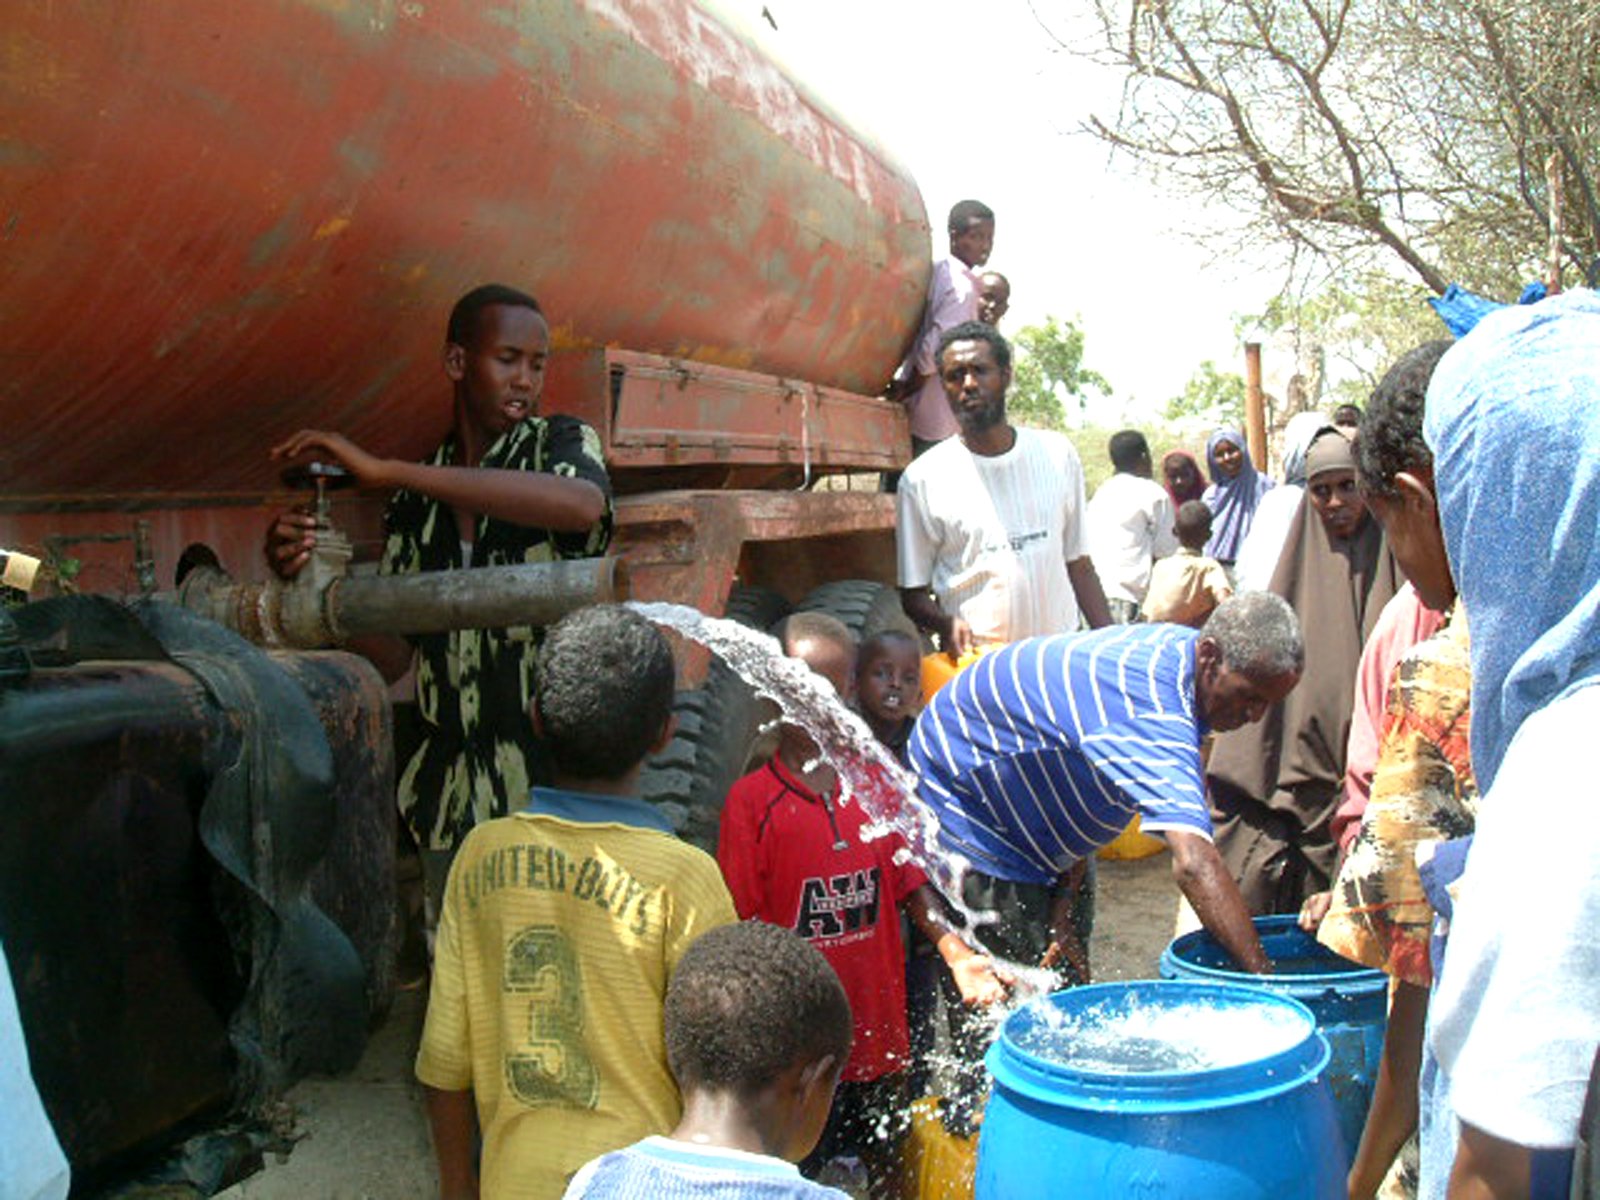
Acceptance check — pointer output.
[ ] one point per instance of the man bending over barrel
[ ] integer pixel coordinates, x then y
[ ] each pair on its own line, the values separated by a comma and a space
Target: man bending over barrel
505, 486
1042, 752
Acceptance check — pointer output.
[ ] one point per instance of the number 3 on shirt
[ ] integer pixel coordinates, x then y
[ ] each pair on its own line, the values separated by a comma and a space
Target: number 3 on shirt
552, 1066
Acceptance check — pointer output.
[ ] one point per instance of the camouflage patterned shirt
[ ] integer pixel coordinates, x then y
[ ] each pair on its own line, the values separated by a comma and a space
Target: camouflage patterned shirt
1423, 791
478, 758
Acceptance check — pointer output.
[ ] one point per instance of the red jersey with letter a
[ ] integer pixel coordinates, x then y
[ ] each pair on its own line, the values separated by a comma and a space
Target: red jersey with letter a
796, 859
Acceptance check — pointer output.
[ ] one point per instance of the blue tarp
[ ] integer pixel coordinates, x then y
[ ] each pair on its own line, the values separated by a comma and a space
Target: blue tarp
1460, 309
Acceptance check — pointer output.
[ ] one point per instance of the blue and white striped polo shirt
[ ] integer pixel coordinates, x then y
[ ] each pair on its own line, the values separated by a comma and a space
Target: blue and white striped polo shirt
1041, 752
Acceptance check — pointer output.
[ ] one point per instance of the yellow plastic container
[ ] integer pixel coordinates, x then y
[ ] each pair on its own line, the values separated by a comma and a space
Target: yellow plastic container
938, 670
1131, 844
936, 1165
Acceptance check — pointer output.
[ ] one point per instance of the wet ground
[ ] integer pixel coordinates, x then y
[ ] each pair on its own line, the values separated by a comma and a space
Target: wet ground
364, 1135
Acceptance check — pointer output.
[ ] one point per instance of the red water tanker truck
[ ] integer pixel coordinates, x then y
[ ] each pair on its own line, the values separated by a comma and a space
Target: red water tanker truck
222, 223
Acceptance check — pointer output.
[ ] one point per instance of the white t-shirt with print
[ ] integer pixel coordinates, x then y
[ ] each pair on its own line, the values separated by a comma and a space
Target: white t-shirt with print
992, 535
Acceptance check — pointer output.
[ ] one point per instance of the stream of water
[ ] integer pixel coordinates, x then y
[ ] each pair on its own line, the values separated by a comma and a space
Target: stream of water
869, 775
1126, 1038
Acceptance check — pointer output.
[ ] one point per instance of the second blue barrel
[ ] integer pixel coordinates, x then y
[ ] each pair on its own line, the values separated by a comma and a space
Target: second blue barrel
1349, 1001
1154, 1089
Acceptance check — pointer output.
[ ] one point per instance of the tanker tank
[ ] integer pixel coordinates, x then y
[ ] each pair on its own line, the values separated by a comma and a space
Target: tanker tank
226, 222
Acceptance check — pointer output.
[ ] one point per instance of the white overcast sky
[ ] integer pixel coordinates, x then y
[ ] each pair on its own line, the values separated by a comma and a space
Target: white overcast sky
976, 101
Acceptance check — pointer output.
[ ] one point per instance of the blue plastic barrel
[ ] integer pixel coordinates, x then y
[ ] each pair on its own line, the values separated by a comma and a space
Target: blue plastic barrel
1350, 1002
1262, 1127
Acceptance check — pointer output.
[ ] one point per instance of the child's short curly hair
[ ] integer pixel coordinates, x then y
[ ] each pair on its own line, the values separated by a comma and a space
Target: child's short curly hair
603, 691
1391, 429
746, 1003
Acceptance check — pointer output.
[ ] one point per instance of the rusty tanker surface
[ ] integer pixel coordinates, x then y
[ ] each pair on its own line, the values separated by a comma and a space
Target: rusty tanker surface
226, 222
221, 223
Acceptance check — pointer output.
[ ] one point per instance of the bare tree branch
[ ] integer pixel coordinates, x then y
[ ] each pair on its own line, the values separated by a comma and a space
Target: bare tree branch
1340, 125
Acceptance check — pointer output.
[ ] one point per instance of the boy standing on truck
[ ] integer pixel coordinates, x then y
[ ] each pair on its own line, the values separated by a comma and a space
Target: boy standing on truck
505, 486
994, 297
952, 299
794, 855
561, 927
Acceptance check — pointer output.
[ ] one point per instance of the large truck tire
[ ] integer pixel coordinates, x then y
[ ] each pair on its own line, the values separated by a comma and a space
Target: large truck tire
718, 736
865, 607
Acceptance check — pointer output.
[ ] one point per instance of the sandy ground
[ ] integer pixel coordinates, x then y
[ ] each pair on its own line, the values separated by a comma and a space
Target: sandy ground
364, 1135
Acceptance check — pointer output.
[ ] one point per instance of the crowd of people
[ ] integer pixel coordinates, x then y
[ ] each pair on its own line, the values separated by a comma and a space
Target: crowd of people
1273, 677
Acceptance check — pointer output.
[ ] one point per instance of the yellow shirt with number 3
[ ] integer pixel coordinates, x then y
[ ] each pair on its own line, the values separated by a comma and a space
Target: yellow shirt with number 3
561, 926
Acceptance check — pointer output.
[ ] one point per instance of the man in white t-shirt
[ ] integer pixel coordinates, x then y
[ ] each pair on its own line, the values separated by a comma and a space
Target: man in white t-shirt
991, 537
1130, 526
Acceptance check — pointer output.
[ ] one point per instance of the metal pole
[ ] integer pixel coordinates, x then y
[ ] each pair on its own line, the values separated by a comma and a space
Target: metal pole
1255, 416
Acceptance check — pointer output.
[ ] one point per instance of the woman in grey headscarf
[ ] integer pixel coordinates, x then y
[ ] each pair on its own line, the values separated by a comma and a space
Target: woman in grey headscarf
1258, 555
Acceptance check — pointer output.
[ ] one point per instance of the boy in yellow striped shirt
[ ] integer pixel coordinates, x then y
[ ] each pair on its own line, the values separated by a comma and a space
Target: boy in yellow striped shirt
561, 926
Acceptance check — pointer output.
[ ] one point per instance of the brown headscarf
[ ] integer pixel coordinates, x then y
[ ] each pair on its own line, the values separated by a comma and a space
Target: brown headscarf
1329, 454
1274, 785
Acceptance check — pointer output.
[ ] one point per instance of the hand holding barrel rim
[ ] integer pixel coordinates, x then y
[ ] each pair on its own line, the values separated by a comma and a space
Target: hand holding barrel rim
1314, 909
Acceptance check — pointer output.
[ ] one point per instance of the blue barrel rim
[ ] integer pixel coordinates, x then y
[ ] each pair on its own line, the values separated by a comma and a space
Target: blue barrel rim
1059, 1085
1357, 975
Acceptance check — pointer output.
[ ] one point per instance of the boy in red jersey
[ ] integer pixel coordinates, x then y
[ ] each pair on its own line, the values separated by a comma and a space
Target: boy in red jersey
793, 855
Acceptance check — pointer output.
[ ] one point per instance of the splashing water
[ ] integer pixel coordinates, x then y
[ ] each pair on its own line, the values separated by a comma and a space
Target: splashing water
869, 775
1129, 1037
1126, 1038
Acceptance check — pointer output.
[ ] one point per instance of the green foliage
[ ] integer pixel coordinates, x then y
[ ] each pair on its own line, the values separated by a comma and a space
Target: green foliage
1047, 368
1030, 401
62, 571
1213, 395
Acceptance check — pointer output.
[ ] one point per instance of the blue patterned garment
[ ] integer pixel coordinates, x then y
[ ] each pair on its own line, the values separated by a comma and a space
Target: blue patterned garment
1513, 419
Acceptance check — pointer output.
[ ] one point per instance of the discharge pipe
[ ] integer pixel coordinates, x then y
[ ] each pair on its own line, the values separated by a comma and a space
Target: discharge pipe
315, 613
324, 605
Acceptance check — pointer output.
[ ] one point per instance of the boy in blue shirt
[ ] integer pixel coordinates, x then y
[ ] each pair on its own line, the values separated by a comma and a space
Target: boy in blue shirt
758, 1029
